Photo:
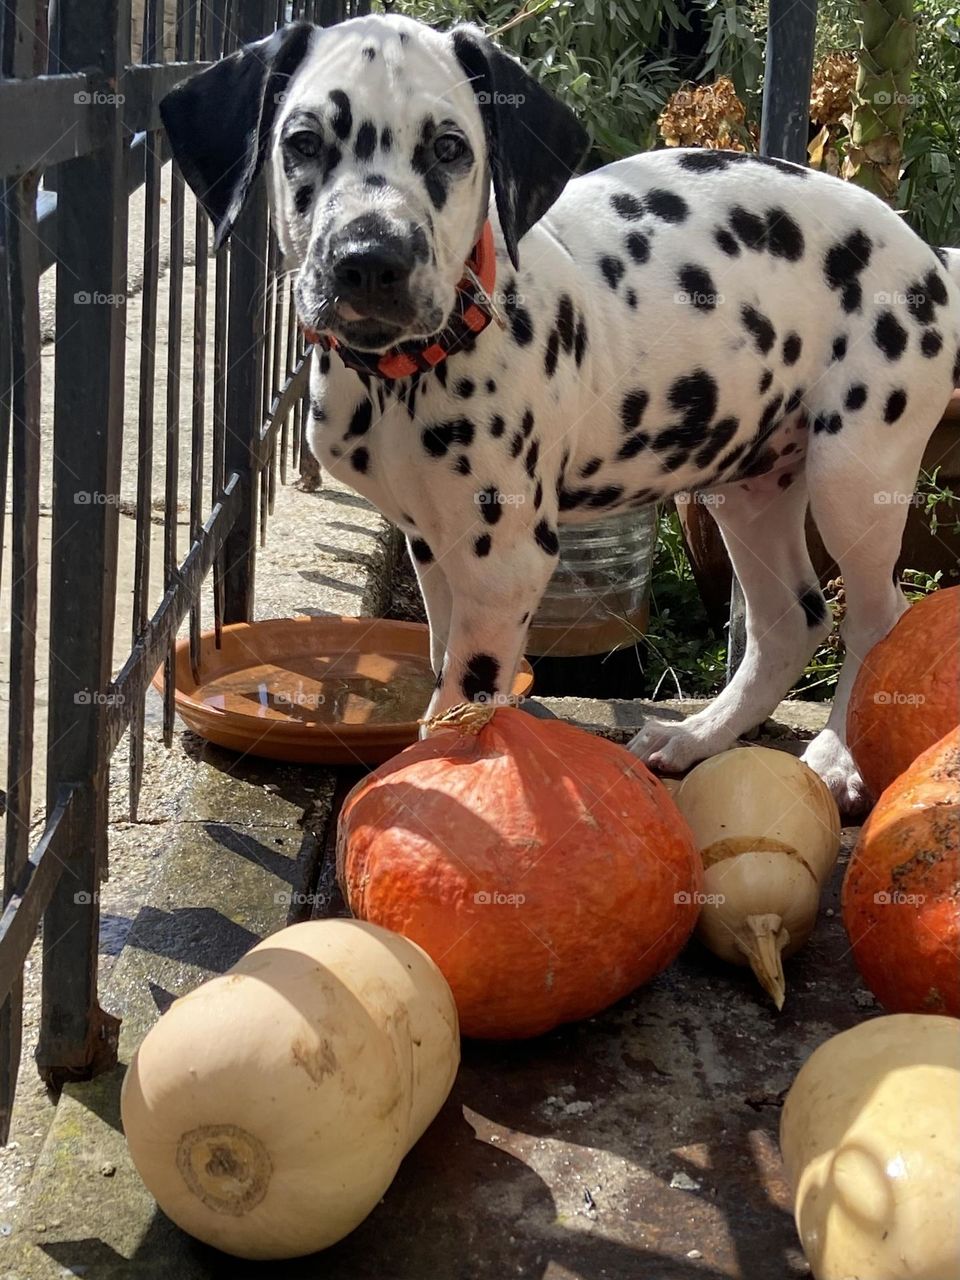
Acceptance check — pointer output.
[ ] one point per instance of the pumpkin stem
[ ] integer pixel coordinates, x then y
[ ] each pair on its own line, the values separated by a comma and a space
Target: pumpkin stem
465, 717
767, 935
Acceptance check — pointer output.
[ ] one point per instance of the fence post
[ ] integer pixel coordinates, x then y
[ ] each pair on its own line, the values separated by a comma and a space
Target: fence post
77, 1038
245, 346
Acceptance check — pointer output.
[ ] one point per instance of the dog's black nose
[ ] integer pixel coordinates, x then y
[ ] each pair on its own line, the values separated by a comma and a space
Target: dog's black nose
372, 274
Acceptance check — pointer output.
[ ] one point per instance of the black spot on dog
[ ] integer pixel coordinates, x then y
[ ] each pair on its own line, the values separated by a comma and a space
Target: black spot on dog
303, 197
490, 386
421, 552
342, 119
570, 498
769, 415
630, 298
720, 436
784, 238
695, 397
830, 423
843, 264
941, 256
369, 52
464, 388
526, 423
633, 408
480, 676
896, 403
532, 458
749, 228
757, 324
538, 496
386, 139
462, 467
856, 396
633, 445
612, 269
795, 401
697, 283
491, 508
580, 342
726, 242
811, 601
590, 468
360, 420
423, 162
565, 326
786, 480
521, 324
366, 141
765, 379
516, 444
482, 545
551, 354
792, 347
325, 362
378, 180
839, 347
440, 436
703, 161
638, 247
890, 335
497, 426
546, 538
627, 206
931, 344
924, 295
667, 205
360, 460
606, 496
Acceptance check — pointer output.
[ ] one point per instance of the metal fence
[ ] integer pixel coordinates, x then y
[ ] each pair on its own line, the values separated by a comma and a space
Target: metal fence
214, 408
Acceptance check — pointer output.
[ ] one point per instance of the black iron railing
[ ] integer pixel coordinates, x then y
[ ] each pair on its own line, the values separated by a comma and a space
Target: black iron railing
79, 113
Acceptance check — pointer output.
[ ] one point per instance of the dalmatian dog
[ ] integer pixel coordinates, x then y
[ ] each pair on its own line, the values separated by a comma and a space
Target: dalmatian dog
502, 346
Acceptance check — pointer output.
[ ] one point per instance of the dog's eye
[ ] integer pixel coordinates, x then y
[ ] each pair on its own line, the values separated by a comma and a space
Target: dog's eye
304, 144
448, 147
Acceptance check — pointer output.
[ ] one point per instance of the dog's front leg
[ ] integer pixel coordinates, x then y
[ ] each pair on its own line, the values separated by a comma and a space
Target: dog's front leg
437, 599
491, 610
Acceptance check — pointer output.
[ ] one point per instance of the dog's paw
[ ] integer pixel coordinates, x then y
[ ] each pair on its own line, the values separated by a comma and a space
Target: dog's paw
830, 758
674, 747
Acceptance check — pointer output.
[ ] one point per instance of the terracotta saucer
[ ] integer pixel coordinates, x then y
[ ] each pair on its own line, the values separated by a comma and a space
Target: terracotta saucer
311, 690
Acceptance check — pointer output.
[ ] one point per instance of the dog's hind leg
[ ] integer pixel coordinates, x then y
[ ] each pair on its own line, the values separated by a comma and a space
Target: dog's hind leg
762, 523
860, 501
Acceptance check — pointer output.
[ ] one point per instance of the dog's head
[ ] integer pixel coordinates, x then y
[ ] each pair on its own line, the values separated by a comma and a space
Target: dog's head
382, 138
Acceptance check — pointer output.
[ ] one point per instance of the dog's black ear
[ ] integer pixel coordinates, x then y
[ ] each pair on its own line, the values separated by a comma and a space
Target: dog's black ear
219, 121
535, 142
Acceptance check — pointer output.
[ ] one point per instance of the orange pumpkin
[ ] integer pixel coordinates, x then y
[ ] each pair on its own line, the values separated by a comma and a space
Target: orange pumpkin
546, 871
907, 693
901, 901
